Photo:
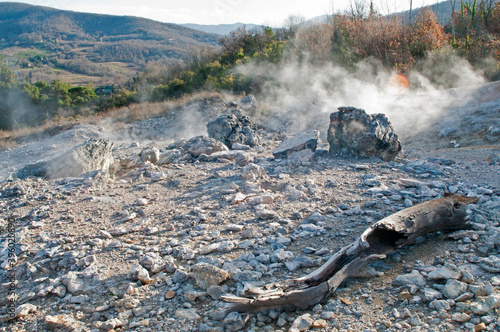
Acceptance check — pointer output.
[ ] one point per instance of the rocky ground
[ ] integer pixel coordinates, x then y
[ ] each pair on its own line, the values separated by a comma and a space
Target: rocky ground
178, 223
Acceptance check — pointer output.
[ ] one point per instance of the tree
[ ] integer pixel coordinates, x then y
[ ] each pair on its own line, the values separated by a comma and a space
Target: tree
7, 75
486, 8
427, 35
81, 96
59, 92
452, 3
7, 83
244, 43
411, 8
290, 27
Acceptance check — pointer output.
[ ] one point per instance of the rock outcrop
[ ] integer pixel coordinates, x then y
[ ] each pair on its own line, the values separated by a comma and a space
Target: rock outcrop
93, 155
180, 227
231, 129
249, 103
352, 131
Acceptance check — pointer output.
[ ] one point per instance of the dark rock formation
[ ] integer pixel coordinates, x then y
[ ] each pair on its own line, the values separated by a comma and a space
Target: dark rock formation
357, 133
230, 129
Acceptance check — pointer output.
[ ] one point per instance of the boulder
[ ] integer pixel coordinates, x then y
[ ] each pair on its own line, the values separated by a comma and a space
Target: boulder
357, 133
302, 141
199, 145
151, 154
236, 321
411, 279
448, 271
230, 129
207, 275
93, 155
248, 103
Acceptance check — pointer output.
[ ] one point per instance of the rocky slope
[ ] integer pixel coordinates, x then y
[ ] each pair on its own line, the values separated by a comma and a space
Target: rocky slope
178, 223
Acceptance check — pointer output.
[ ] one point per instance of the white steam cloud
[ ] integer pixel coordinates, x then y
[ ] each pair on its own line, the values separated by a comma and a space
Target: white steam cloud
301, 95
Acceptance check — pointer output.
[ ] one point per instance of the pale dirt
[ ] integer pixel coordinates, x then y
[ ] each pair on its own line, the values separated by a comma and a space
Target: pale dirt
78, 212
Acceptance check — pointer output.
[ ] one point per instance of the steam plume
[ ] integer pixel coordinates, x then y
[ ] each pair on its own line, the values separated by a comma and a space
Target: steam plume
303, 95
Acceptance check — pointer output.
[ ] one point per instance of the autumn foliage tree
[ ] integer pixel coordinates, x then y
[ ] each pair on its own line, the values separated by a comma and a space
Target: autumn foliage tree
349, 38
427, 35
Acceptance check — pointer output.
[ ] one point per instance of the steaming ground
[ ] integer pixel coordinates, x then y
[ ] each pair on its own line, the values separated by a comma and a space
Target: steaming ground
304, 94
425, 122
81, 237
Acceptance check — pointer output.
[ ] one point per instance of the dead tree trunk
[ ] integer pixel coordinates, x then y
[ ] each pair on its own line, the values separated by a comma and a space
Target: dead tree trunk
384, 236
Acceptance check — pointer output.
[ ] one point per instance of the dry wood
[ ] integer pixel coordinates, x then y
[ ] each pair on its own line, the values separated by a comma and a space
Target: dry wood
384, 236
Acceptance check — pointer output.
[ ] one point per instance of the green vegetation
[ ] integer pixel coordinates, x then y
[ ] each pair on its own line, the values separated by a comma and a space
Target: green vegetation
217, 72
344, 40
25, 104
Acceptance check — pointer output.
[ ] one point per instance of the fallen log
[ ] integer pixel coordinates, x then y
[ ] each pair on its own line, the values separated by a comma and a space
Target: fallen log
385, 236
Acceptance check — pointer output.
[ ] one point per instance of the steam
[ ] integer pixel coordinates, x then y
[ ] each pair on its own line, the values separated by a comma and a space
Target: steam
165, 123
18, 110
302, 95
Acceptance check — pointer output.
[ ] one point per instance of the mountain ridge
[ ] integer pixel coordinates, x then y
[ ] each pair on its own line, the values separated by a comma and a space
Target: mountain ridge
220, 29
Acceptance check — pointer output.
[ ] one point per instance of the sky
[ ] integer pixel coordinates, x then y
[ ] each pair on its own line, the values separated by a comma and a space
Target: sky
269, 12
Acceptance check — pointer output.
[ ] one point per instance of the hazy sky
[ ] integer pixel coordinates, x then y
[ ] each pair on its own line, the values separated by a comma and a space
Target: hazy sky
271, 12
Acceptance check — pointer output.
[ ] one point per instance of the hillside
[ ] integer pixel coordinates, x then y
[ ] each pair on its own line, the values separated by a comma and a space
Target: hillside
441, 9
43, 41
220, 29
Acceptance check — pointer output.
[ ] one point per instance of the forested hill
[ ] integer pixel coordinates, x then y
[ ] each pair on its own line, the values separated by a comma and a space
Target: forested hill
30, 33
26, 23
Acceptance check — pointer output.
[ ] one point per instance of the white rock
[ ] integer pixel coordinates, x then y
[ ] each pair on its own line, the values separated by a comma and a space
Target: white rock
207, 275
141, 274
448, 271
188, 314
454, 288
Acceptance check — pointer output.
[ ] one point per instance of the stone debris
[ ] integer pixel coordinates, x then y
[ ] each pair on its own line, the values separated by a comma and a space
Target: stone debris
302, 323
202, 145
448, 271
235, 321
353, 131
151, 154
156, 245
305, 141
65, 322
207, 275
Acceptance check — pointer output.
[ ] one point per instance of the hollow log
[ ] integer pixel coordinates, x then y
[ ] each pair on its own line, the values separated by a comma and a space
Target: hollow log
383, 237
